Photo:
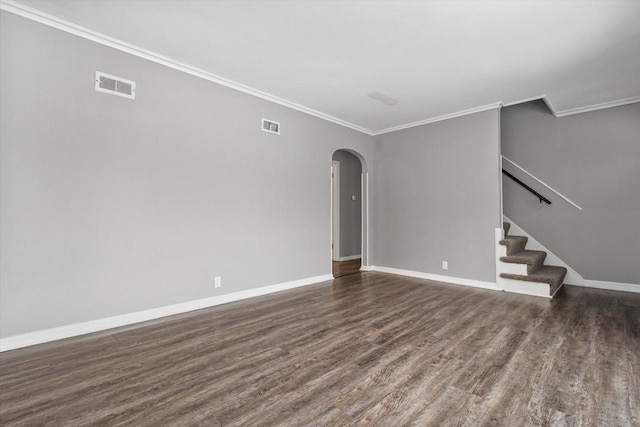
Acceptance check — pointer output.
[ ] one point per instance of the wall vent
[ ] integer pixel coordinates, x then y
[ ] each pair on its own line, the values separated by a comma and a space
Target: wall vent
115, 85
270, 126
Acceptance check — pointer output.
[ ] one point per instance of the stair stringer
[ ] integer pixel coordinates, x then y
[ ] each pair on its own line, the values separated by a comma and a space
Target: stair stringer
572, 277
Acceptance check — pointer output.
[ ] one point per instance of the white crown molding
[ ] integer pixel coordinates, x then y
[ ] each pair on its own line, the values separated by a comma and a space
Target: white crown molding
611, 286
439, 118
588, 108
436, 277
67, 331
596, 107
578, 110
550, 106
69, 27
522, 101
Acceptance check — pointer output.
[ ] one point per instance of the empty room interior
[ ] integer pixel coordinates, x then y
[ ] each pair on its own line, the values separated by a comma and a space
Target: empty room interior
254, 213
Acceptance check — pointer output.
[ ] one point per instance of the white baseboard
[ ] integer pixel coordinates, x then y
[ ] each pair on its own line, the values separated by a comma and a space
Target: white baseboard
349, 258
67, 331
611, 286
366, 268
437, 277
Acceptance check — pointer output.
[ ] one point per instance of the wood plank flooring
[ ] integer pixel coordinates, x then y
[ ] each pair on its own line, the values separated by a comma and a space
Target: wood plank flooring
344, 268
365, 349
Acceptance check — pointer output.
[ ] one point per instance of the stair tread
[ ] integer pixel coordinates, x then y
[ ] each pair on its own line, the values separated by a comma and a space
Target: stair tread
511, 239
524, 257
532, 259
549, 274
514, 244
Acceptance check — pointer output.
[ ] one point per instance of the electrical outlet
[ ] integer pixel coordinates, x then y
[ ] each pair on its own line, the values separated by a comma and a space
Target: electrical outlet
445, 265
217, 282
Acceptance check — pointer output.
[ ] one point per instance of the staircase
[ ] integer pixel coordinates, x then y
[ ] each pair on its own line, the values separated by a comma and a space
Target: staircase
524, 272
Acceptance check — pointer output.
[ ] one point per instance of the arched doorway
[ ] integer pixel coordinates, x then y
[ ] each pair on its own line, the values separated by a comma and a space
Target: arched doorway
349, 207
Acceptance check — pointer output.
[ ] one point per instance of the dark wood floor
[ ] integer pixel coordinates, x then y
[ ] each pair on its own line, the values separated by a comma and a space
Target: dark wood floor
366, 349
345, 268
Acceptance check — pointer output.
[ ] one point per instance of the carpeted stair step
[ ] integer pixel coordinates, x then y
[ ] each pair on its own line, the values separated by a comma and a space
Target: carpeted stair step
506, 226
552, 275
533, 259
514, 244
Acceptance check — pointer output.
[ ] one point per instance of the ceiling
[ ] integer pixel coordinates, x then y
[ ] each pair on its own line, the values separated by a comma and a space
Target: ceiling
433, 57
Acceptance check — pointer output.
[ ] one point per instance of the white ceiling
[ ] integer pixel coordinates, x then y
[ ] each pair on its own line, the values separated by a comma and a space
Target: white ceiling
434, 57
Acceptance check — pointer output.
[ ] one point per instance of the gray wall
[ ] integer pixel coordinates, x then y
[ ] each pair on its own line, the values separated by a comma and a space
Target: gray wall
350, 210
593, 159
110, 206
437, 197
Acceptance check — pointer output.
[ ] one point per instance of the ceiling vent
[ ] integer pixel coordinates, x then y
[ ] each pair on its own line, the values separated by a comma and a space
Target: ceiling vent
115, 85
386, 100
270, 126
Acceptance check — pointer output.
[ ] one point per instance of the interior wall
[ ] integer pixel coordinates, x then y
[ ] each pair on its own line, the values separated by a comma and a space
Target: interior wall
110, 206
438, 197
593, 159
350, 210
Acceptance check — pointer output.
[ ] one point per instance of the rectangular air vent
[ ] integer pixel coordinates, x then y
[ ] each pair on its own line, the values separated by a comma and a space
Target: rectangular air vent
270, 126
115, 85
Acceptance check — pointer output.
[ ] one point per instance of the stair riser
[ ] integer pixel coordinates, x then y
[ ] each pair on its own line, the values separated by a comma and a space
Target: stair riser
502, 251
528, 269
511, 268
525, 288
532, 268
515, 248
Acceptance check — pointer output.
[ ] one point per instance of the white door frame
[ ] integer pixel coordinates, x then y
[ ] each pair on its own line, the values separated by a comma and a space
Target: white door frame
335, 210
364, 220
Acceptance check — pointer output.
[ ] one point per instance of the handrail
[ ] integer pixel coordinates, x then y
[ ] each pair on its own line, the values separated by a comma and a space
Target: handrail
531, 190
542, 182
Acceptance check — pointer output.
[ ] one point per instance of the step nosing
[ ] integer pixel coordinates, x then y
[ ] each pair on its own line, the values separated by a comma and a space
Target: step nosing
525, 257
513, 260
551, 275
511, 237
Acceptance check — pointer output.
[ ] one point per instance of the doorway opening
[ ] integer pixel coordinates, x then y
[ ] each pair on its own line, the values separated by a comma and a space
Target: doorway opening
349, 206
